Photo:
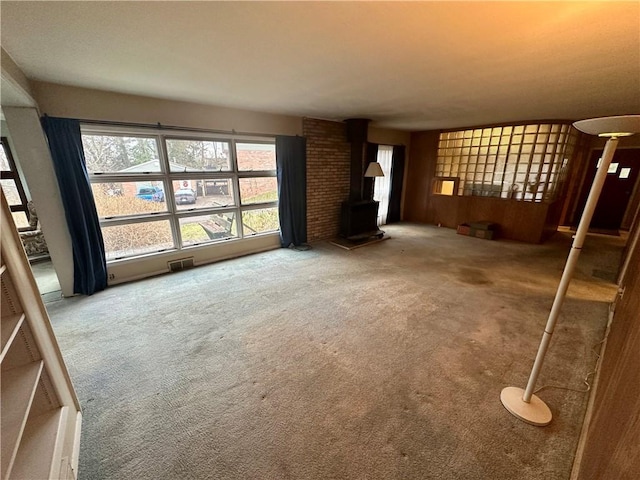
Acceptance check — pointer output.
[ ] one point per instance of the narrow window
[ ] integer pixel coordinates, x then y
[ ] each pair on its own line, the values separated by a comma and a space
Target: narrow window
12, 187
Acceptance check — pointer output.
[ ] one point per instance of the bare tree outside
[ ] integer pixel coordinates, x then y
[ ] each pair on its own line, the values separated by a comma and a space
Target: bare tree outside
130, 187
115, 153
199, 155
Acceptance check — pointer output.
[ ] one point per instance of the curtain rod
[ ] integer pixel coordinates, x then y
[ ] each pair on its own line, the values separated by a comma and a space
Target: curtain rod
159, 126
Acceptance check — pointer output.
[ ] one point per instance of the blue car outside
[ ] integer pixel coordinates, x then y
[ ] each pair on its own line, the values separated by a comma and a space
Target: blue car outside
150, 194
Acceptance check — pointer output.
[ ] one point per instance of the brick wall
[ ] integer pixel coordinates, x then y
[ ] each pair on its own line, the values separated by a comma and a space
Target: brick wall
257, 159
328, 167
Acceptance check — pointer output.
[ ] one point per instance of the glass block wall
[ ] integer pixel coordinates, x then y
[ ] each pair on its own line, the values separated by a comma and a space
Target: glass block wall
522, 162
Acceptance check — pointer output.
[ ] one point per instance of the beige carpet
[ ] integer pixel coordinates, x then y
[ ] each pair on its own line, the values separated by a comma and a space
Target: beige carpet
352, 245
384, 362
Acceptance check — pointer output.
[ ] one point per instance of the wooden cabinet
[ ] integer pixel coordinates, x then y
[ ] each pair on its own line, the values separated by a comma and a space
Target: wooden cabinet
39, 412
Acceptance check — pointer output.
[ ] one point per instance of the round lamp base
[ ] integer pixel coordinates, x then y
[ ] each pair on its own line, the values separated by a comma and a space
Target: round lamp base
535, 412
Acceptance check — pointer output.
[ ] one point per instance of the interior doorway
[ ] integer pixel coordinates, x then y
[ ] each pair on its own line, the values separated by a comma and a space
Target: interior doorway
617, 190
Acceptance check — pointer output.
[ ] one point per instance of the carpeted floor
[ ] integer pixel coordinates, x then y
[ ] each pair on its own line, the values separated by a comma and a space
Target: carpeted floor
384, 362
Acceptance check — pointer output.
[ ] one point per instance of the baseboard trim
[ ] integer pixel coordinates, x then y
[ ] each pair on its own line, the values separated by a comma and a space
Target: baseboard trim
207, 261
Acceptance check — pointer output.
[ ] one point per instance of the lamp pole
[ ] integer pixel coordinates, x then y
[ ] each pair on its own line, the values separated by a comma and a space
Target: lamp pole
572, 260
523, 404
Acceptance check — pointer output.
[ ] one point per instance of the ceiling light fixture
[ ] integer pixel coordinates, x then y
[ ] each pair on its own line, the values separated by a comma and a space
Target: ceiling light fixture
523, 404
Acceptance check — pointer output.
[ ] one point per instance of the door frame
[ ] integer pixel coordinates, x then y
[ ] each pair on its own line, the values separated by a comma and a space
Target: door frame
585, 185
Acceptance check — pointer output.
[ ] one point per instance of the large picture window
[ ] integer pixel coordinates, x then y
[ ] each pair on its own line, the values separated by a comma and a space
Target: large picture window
521, 162
160, 192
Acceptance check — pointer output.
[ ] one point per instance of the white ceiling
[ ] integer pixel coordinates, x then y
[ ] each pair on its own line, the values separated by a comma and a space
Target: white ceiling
414, 65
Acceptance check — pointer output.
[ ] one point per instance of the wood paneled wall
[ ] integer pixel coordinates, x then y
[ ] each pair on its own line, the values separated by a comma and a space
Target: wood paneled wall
612, 446
524, 221
421, 169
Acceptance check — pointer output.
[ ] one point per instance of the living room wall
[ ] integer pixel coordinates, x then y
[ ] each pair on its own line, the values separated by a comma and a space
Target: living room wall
81, 103
613, 432
328, 170
526, 221
84, 103
328, 155
326, 166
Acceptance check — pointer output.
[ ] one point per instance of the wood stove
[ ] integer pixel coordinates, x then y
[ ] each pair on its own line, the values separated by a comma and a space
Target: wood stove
359, 215
360, 219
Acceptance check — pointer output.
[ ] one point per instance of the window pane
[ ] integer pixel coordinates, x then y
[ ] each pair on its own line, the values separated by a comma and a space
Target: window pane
198, 156
260, 220
120, 154
256, 156
4, 161
258, 190
20, 219
11, 192
202, 229
136, 238
128, 198
209, 193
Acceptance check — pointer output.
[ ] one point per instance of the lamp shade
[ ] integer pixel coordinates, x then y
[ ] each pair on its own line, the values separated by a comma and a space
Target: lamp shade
374, 170
619, 126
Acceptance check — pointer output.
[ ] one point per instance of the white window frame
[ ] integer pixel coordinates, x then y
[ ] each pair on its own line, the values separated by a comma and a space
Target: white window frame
167, 178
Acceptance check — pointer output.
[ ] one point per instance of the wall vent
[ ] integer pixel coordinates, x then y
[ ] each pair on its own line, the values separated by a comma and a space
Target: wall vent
182, 264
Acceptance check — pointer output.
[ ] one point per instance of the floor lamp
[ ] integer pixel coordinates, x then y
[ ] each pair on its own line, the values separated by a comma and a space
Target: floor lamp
523, 404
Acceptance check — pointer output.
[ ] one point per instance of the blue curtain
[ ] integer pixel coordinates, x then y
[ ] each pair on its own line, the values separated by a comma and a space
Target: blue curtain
291, 160
89, 263
397, 176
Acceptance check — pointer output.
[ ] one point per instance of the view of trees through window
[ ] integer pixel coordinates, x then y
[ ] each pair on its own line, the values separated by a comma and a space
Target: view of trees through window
108, 153
200, 191
193, 155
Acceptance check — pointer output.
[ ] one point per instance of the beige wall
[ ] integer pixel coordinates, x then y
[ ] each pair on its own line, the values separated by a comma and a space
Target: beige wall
384, 136
87, 104
15, 87
32, 153
64, 101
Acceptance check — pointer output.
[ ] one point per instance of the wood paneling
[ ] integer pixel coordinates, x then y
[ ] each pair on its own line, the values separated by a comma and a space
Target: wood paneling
523, 221
612, 446
420, 171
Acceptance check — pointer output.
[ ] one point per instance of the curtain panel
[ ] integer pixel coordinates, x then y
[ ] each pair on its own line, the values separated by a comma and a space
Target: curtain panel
89, 264
291, 162
397, 177
382, 187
